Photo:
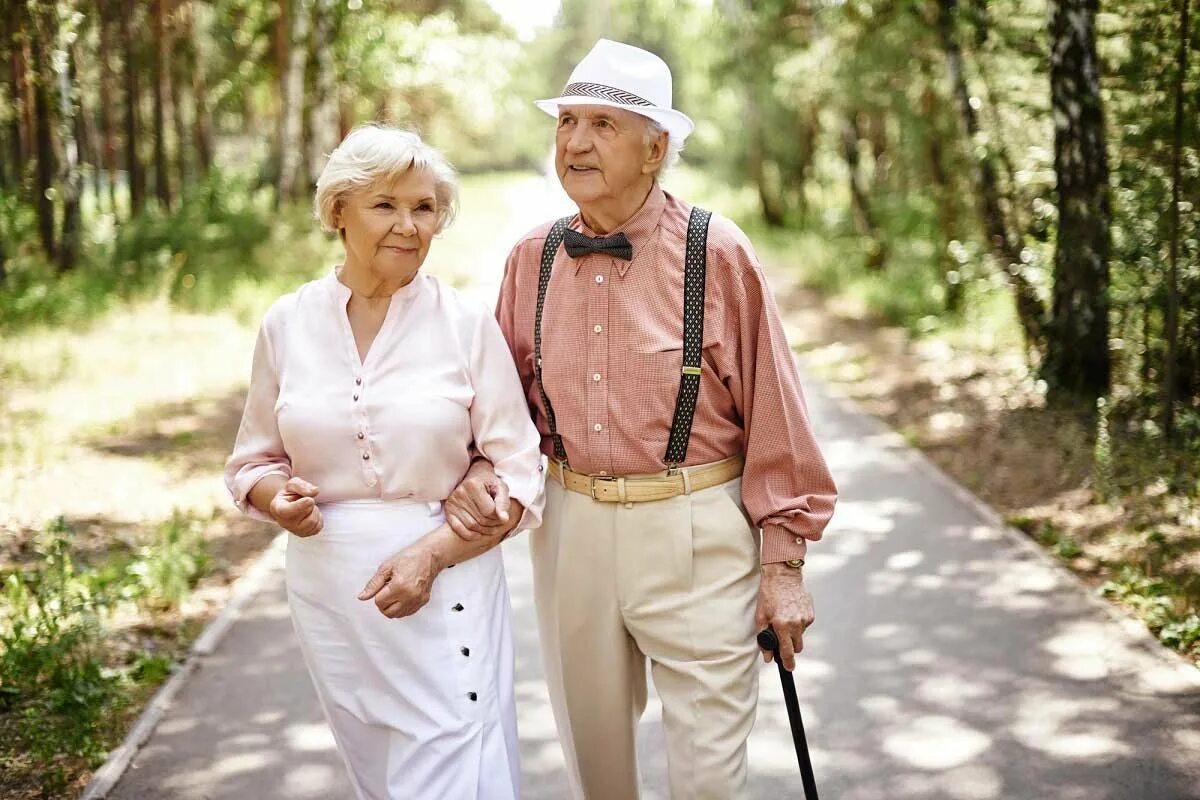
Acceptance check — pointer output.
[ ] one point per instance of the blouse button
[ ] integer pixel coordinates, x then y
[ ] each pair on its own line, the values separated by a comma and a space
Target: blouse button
356, 398
466, 651
361, 435
597, 427
598, 328
596, 376
599, 279
799, 540
456, 607
473, 696
366, 456
358, 381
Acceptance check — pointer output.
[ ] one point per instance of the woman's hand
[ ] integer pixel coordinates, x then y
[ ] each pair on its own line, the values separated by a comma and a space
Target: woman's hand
402, 584
294, 508
479, 506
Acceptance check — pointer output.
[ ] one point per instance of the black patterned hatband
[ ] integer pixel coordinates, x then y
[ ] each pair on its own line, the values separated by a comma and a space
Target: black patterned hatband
603, 92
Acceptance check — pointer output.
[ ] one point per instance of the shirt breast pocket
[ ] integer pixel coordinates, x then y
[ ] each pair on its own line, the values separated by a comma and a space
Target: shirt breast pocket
657, 368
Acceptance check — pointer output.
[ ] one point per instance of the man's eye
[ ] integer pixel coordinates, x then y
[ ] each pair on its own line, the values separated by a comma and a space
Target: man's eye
603, 123
563, 121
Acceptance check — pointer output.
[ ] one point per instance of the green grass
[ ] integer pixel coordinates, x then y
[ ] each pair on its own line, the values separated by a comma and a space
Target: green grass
61, 693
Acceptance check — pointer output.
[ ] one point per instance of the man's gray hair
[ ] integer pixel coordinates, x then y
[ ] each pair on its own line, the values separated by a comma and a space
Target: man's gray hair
674, 147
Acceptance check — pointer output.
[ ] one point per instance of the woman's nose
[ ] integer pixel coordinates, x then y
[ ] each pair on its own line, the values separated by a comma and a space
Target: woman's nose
404, 225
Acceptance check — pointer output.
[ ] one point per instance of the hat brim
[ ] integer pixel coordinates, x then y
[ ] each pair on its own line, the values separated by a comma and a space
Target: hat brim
677, 124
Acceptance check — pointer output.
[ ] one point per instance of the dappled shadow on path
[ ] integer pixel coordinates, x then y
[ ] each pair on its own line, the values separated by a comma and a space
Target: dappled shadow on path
949, 661
188, 437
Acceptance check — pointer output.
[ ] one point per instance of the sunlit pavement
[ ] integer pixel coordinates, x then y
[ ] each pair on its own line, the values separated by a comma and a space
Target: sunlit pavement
948, 661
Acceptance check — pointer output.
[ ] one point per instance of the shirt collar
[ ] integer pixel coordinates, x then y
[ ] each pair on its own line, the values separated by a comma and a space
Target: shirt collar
340, 292
637, 229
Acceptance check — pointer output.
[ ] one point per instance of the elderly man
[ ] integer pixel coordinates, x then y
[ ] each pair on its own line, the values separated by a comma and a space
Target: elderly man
686, 483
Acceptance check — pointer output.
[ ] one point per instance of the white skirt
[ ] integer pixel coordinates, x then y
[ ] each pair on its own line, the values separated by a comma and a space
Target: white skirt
420, 707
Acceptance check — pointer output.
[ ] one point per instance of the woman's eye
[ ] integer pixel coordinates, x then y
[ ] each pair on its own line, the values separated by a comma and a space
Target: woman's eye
383, 205
425, 207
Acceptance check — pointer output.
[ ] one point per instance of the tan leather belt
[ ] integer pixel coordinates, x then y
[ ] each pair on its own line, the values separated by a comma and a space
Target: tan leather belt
648, 488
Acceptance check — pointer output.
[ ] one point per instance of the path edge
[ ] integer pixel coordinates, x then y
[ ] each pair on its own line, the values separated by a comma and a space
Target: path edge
1136, 632
242, 591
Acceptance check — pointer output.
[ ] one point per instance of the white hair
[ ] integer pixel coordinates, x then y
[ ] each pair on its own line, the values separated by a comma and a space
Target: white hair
375, 153
674, 146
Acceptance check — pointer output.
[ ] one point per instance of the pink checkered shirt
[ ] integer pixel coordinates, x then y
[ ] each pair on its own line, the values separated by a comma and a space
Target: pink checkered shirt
612, 350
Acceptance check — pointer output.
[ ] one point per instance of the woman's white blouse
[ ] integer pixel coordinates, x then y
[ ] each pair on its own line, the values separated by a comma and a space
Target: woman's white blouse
400, 424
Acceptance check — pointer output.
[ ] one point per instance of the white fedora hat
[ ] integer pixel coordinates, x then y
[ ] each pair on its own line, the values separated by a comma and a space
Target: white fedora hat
623, 76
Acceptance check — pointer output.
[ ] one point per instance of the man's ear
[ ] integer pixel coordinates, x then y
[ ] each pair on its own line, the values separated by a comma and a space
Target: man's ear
657, 155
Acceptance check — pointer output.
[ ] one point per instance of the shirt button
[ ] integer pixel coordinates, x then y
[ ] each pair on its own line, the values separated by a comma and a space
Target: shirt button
456, 607
603, 473
598, 328
597, 427
466, 651
799, 540
599, 279
473, 696
596, 376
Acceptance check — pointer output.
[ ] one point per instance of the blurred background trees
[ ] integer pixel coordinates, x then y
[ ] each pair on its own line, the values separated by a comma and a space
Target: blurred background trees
1046, 149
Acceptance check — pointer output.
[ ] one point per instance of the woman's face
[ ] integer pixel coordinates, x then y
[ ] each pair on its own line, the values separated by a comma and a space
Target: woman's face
387, 228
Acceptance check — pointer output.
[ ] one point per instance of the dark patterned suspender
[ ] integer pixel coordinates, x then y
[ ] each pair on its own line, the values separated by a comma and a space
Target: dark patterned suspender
695, 262
549, 249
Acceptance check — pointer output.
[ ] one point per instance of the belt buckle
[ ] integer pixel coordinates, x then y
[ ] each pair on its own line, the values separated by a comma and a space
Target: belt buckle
592, 479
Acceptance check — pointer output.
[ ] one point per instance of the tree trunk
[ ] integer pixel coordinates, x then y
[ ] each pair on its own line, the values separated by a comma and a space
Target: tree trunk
198, 23
108, 98
772, 208
324, 120
23, 88
133, 160
292, 100
944, 199
176, 44
860, 200
1170, 382
162, 184
1004, 246
43, 29
72, 180
1077, 359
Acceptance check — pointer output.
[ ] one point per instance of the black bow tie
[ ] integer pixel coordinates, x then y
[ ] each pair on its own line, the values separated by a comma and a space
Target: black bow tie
579, 245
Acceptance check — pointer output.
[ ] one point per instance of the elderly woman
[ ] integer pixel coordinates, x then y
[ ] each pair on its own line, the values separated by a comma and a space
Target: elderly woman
371, 389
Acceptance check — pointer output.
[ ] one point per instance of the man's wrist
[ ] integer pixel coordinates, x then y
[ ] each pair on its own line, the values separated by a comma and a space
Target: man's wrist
785, 569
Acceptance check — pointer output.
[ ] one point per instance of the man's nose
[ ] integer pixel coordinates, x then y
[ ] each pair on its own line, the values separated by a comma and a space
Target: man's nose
580, 139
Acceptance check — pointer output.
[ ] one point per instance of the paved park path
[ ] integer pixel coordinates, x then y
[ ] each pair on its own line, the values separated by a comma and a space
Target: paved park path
950, 660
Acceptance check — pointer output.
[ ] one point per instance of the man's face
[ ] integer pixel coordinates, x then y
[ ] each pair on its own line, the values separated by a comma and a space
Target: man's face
600, 153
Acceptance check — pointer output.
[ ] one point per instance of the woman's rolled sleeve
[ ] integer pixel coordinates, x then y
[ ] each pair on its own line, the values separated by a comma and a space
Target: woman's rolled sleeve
500, 422
258, 450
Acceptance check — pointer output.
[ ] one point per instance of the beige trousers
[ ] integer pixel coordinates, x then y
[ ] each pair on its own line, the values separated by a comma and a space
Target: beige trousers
675, 582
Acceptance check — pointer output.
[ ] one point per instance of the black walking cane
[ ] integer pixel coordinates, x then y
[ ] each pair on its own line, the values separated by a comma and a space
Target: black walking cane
767, 640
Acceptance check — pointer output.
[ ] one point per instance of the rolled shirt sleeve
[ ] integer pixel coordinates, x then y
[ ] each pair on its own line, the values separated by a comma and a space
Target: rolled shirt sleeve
500, 422
258, 450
